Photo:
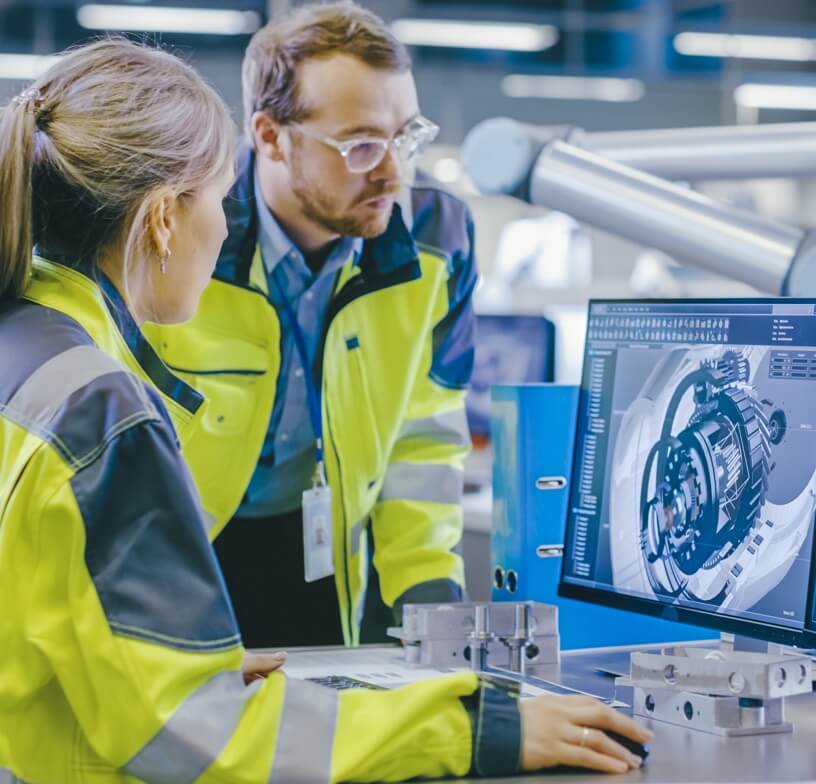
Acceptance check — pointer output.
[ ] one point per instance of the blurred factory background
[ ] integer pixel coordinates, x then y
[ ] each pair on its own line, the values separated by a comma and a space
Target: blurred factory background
600, 65
597, 64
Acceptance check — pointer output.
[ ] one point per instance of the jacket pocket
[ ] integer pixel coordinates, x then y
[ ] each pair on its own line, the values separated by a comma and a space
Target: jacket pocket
225, 370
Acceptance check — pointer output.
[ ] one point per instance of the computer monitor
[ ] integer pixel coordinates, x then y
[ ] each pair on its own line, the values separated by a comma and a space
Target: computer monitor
694, 479
510, 349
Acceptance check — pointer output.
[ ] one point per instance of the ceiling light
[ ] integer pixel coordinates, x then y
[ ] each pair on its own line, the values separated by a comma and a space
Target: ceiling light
25, 66
748, 47
776, 96
168, 20
573, 88
475, 35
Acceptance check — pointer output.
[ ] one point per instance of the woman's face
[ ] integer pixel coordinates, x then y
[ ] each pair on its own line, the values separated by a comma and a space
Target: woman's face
199, 228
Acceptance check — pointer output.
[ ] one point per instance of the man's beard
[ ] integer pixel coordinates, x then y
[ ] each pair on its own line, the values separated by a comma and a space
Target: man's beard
316, 206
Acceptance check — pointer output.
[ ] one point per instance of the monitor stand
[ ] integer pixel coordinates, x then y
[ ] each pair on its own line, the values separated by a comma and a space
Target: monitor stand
749, 644
724, 692
736, 642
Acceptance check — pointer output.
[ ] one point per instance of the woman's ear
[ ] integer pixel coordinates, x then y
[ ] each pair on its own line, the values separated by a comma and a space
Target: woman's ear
266, 136
161, 219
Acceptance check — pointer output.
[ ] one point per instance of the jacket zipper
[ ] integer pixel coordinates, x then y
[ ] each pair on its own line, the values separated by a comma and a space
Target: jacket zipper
349, 608
353, 290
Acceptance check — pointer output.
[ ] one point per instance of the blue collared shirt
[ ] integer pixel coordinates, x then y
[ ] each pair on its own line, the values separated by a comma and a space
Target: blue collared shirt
287, 460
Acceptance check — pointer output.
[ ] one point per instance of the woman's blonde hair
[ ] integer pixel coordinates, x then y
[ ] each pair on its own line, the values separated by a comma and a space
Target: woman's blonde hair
85, 146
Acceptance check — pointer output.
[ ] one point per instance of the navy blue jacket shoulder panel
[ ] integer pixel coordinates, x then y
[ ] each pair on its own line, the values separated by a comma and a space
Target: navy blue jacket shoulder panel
147, 550
57, 384
146, 543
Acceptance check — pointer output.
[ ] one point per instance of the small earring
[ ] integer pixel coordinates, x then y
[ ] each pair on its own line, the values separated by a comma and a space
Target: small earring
163, 261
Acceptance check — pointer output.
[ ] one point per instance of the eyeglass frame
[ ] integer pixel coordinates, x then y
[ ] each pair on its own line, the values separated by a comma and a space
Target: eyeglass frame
345, 146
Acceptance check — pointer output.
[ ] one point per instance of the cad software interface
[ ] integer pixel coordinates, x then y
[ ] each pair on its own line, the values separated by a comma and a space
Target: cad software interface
694, 478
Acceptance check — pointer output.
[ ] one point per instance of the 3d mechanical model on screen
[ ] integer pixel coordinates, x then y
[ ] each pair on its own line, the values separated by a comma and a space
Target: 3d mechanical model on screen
713, 462
699, 461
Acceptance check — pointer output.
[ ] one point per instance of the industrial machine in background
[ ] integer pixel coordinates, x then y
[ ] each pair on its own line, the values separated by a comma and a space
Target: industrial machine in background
502, 156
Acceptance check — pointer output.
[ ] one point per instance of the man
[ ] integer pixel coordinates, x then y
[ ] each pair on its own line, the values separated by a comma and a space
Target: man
358, 324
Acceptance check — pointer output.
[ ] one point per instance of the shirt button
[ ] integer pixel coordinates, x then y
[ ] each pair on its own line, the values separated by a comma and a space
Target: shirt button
310, 295
284, 436
298, 372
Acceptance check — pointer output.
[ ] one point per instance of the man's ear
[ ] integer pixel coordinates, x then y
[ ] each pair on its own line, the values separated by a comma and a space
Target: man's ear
266, 134
161, 218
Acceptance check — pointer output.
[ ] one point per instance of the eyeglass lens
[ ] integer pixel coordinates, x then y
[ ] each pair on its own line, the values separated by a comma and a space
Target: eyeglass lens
366, 155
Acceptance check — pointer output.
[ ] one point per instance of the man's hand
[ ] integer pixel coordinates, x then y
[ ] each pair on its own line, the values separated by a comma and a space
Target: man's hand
259, 665
569, 731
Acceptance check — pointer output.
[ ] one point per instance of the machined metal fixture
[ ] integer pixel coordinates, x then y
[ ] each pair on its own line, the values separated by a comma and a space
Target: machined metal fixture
721, 692
516, 636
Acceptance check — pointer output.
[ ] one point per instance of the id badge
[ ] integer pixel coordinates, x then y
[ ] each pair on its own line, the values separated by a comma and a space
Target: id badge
317, 533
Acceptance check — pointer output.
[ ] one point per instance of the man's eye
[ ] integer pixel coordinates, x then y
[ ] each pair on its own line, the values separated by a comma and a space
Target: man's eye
363, 154
365, 148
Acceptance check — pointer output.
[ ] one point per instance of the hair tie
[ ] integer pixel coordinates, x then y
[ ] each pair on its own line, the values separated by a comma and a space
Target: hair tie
30, 98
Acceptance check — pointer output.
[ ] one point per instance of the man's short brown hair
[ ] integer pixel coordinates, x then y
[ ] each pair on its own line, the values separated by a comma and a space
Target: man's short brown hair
313, 31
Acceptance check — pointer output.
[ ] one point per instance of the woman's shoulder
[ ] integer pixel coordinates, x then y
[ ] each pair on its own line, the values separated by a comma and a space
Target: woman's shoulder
56, 383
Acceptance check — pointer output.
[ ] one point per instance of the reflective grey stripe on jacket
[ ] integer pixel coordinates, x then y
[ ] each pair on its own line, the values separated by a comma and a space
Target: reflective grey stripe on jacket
306, 734
448, 427
38, 406
430, 482
195, 734
41, 396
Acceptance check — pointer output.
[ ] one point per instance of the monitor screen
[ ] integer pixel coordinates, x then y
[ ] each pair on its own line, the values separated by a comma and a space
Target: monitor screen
694, 479
509, 350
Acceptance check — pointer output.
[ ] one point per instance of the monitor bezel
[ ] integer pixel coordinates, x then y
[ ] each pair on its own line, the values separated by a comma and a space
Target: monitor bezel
786, 635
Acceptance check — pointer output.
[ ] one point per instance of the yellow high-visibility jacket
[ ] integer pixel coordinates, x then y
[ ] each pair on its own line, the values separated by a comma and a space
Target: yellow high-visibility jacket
396, 357
119, 652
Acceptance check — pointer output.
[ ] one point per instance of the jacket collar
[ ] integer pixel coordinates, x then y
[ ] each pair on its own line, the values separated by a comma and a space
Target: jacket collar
238, 250
159, 374
380, 256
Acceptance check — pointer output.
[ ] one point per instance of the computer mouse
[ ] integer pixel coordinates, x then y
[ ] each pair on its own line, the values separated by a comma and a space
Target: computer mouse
632, 745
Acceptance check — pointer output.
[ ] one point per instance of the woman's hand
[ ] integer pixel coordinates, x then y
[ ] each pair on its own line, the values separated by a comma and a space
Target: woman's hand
259, 665
569, 731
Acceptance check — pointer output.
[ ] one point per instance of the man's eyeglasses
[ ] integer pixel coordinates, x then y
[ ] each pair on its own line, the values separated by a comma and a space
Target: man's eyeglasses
364, 153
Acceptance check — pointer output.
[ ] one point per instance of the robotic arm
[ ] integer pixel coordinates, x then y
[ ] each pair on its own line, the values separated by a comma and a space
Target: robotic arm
716, 153
769, 255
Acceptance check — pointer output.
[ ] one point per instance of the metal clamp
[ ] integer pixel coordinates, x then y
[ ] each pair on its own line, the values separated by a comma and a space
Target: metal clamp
521, 635
721, 692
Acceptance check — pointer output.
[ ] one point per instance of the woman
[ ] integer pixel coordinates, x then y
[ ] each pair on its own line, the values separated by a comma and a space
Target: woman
120, 648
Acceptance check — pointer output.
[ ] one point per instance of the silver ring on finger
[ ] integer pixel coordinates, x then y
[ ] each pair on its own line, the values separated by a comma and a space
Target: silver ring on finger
584, 736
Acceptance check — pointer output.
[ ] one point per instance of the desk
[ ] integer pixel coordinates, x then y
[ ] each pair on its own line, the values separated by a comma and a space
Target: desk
677, 754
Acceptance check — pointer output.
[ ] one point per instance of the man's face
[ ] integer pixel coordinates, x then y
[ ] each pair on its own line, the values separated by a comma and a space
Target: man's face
348, 99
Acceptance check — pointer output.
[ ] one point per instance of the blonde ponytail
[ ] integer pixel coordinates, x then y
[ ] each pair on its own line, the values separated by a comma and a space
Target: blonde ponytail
86, 147
17, 128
